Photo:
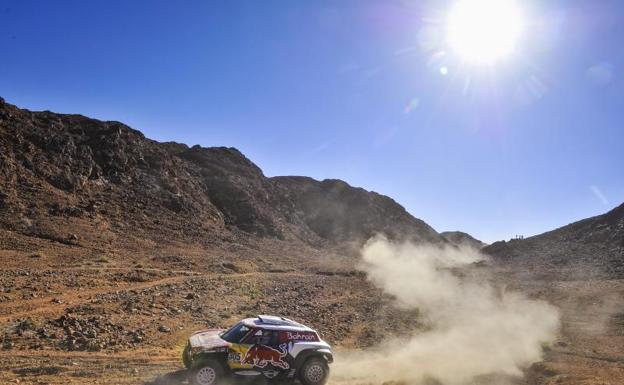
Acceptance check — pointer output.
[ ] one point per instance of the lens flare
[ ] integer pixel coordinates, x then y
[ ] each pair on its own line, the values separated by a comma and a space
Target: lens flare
484, 31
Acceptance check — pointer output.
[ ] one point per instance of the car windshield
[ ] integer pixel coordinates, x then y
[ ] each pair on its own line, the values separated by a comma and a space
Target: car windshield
236, 333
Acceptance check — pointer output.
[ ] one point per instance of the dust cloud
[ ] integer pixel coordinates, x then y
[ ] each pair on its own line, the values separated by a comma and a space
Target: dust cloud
474, 329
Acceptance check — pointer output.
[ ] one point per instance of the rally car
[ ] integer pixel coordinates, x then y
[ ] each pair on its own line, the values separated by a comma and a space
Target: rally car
274, 347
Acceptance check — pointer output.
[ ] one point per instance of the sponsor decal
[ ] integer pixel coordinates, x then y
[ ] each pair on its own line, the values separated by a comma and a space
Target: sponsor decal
234, 356
301, 336
262, 355
297, 336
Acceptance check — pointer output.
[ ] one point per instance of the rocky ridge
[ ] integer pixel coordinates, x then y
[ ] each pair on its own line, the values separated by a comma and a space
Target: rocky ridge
60, 172
592, 246
460, 238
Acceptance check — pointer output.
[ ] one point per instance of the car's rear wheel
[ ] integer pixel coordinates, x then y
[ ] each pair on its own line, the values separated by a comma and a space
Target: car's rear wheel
314, 371
209, 372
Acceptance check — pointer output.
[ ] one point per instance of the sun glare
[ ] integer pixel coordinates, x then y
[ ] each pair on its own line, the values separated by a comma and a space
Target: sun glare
484, 31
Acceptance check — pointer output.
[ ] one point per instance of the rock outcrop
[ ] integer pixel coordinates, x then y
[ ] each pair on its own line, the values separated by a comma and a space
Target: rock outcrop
78, 180
592, 246
460, 238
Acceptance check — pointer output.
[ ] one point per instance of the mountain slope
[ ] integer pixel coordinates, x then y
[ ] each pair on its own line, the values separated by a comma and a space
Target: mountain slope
334, 210
60, 174
591, 246
461, 238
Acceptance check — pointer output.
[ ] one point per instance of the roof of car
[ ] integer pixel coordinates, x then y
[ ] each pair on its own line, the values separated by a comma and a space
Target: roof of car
271, 322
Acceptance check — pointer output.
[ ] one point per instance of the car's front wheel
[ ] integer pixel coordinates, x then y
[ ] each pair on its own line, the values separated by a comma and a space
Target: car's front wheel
314, 371
209, 372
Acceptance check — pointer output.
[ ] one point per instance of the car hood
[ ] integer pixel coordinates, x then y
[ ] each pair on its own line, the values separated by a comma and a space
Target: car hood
208, 339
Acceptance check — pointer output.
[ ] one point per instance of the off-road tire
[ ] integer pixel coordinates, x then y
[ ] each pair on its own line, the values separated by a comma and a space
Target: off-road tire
314, 371
208, 372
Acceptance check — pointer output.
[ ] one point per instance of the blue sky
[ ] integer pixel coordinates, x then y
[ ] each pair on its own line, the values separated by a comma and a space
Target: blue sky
350, 89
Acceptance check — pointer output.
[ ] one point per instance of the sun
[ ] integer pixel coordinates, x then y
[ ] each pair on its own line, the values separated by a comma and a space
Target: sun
484, 31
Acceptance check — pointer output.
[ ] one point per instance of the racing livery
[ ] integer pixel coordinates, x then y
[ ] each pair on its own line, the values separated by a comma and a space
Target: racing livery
261, 355
269, 346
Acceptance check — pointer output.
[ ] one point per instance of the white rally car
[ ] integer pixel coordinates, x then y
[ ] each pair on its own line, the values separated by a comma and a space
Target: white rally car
274, 347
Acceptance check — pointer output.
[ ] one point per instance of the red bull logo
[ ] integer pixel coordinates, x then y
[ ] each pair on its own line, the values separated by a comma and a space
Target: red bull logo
262, 355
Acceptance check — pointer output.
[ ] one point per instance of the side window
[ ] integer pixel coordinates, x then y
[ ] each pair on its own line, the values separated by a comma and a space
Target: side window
236, 333
263, 337
274, 338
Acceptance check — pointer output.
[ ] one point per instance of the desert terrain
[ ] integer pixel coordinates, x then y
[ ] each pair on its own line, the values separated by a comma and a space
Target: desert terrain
114, 248
114, 322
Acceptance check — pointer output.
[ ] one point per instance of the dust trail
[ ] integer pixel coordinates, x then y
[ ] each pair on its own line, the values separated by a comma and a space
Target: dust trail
474, 328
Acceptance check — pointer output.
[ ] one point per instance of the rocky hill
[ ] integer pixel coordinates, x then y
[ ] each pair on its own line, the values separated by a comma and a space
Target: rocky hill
460, 238
75, 180
592, 246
